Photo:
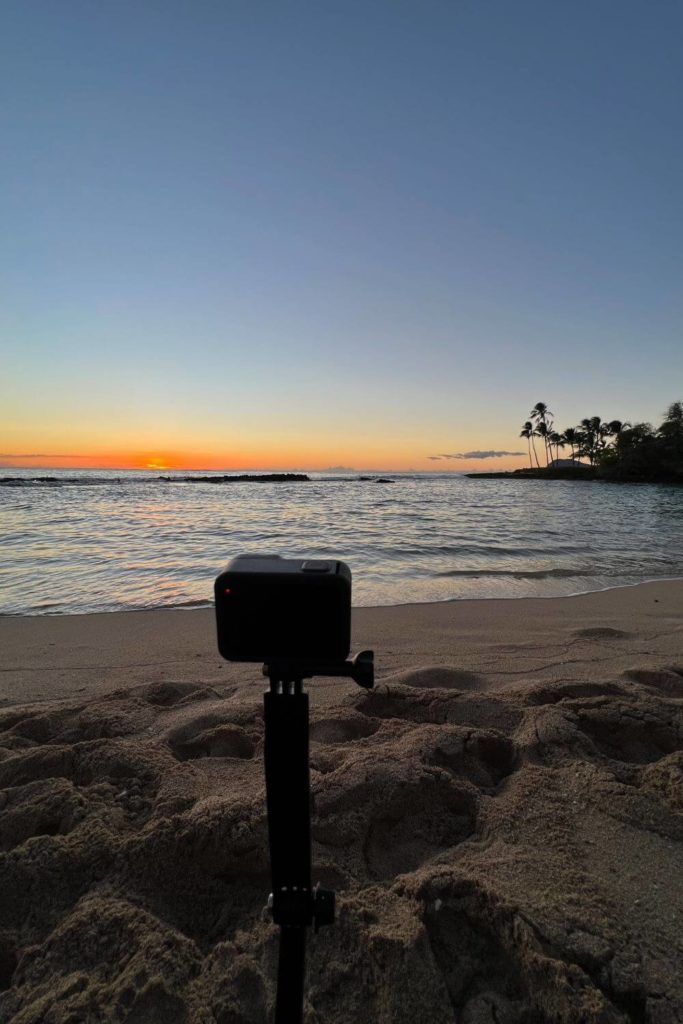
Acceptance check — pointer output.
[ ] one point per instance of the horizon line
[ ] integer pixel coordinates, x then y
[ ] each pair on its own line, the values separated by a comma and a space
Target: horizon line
227, 469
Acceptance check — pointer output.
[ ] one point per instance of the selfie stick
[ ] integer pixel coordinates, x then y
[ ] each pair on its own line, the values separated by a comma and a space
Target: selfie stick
295, 904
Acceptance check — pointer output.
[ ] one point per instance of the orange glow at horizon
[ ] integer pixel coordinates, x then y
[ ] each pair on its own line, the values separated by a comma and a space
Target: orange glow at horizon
378, 458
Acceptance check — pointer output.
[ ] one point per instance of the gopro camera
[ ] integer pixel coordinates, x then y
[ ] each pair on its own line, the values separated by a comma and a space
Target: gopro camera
270, 608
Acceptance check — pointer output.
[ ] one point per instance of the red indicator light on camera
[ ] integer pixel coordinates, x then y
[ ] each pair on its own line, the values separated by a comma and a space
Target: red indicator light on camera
227, 590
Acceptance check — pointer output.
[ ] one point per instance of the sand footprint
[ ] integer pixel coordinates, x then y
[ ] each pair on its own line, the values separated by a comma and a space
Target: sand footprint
391, 813
600, 633
168, 694
343, 729
632, 734
485, 758
552, 693
47, 807
668, 680
222, 740
444, 677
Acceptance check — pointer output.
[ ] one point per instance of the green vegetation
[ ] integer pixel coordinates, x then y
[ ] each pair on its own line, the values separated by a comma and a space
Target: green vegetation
611, 450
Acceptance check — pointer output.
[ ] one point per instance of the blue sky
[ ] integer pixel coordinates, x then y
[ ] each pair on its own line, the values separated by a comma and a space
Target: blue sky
313, 233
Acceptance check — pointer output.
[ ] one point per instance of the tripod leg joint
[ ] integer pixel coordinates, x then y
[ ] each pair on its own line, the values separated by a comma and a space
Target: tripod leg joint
297, 906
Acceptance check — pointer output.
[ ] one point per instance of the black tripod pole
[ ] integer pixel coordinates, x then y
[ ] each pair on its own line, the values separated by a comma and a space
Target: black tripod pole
289, 828
291, 970
295, 904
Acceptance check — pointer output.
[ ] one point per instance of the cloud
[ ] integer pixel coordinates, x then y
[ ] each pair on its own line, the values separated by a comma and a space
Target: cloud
490, 454
39, 455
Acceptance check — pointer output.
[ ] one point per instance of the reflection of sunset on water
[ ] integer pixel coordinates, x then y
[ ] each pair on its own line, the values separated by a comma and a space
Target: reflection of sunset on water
110, 540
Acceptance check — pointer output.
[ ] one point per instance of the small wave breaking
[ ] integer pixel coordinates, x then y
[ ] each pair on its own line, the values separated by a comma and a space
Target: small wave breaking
519, 574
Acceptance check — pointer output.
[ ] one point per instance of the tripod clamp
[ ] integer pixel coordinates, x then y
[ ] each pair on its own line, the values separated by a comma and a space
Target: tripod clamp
294, 902
360, 669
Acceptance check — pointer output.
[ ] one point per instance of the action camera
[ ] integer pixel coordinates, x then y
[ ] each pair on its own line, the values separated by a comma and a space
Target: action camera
270, 608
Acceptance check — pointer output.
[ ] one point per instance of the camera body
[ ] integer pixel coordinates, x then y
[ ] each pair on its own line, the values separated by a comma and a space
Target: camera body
270, 608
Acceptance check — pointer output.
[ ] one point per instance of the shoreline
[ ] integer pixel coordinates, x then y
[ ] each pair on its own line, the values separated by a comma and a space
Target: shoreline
209, 605
62, 656
588, 475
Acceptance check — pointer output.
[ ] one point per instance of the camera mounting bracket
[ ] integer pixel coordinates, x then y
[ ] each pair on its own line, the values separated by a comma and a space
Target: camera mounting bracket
360, 669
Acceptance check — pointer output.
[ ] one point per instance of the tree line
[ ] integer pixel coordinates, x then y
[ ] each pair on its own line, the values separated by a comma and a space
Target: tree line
613, 449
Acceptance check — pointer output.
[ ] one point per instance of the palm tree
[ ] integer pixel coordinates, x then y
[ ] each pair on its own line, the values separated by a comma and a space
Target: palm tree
542, 431
559, 442
671, 435
603, 433
571, 437
674, 414
527, 431
636, 434
672, 427
590, 437
541, 414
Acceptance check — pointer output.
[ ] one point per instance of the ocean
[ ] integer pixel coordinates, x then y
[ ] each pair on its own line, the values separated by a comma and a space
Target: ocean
97, 540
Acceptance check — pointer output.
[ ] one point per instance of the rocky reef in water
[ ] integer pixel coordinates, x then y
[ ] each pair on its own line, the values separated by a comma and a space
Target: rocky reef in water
259, 478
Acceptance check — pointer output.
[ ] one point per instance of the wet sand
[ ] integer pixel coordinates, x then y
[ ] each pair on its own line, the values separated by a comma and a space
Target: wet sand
502, 818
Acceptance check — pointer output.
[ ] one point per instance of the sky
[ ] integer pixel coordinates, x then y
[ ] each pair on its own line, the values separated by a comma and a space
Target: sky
253, 234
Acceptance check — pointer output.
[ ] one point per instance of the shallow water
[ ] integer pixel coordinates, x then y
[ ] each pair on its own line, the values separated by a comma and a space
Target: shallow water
101, 541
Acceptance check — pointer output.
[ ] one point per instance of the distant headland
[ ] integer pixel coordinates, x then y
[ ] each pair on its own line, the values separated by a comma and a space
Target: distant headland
614, 450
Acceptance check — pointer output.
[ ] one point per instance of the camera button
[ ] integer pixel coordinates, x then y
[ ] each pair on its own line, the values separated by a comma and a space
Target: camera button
313, 566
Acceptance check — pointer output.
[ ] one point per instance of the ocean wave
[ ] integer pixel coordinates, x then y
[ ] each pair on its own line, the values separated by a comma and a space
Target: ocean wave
520, 574
200, 603
61, 481
486, 551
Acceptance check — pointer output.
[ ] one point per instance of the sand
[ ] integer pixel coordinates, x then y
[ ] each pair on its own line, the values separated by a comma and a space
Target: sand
502, 819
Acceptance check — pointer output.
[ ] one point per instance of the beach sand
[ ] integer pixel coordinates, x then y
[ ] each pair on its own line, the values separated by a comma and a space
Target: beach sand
502, 818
